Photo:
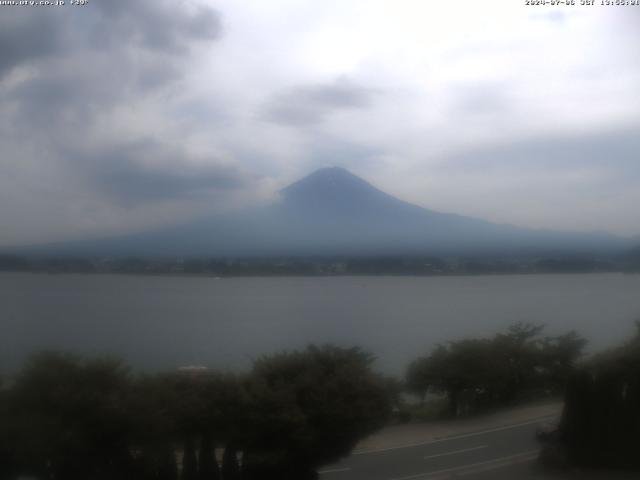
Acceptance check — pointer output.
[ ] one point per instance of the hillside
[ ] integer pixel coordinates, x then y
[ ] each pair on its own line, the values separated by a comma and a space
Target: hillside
333, 212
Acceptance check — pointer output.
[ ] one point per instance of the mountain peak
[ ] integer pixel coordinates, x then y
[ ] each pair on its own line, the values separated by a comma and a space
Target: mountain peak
335, 191
329, 175
332, 172
329, 181
334, 212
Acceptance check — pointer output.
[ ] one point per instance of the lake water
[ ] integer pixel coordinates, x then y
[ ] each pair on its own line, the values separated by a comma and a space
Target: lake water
165, 322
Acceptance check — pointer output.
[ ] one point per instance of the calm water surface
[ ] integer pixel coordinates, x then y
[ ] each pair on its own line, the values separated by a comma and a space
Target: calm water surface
165, 322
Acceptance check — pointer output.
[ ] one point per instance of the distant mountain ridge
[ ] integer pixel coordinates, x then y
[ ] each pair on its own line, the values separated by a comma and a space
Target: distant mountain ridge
333, 212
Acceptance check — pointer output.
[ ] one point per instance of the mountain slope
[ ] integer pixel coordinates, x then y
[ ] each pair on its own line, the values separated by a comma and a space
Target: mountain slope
333, 212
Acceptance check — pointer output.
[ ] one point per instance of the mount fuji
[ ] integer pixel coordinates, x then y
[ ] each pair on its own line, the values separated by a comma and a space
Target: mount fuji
333, 212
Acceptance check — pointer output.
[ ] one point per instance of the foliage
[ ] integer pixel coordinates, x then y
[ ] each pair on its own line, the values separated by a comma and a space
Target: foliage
230, 466
7, 457
429, 410
601, 420
71, 418
310, 408
477, 373
67, 418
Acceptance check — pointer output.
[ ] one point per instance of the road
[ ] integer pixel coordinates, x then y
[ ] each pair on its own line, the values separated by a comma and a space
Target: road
506, 452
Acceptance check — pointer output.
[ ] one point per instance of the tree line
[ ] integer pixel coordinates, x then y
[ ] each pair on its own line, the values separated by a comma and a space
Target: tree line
600, 422
321, 266
66, 417
475, 374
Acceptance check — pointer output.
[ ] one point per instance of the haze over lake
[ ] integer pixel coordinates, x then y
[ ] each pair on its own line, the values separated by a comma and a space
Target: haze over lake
166, 322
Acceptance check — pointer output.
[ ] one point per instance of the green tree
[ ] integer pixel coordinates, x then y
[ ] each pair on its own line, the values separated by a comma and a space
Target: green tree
224, 418
600, 424
559, 357
458, 369
189, 460
310, 408
7, 460
230, 466
152, 405
69, 418
417, 380
517, 357
476, 373
208, 465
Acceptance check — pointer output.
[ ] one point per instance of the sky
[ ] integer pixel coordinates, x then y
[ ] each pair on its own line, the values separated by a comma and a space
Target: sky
122, 116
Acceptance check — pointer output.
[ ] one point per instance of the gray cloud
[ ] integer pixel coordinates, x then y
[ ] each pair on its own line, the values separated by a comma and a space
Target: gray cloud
125, 112
311, 104
29, 35
612, 154
84, 67
330, 151
146, 171
481, 99
130, 183
160, 25
91, 61
75, 69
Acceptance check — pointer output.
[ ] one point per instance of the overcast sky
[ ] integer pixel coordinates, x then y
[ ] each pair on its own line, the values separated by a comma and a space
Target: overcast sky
123, 115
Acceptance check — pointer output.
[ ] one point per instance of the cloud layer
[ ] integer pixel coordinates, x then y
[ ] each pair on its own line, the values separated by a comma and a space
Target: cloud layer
311, 104
121, 115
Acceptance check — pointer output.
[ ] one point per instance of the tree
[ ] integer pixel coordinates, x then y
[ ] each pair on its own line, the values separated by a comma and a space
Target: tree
69, 418
189, 460
475, 373
417, 379
224, 417
518, 356
460, 369
559, 358
310, 408
208, 465
230, 466
152, 404
600, 424
7, 460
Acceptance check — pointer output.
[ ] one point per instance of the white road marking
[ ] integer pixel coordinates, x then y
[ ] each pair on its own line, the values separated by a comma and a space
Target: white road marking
333, 470
495, 466
476, 467
498, 429
455, 437
454, 452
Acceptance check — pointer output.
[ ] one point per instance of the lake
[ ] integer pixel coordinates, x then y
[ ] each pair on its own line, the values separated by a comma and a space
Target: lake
166, 322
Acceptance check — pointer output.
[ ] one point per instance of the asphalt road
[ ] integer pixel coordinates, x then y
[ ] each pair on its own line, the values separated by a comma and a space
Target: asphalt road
507, 452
